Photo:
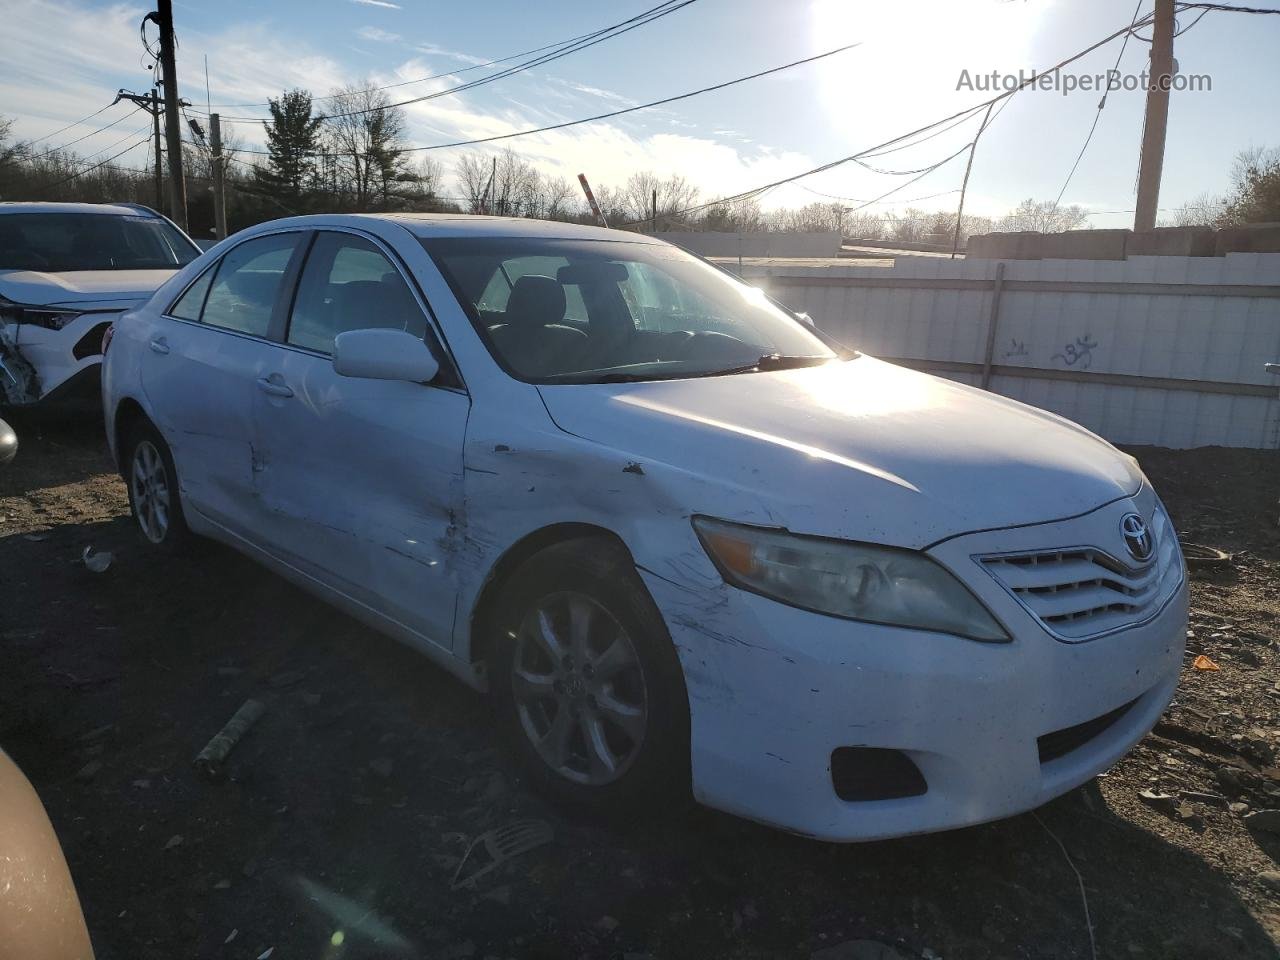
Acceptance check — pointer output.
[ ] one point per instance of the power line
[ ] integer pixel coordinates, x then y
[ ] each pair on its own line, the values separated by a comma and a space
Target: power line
91, 133
76, 124
81, 173
613, 113
436, 76
969, 111
1111, 77
564, 50
642, 106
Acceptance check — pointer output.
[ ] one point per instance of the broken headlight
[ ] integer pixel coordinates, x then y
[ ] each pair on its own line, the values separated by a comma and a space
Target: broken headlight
49, 317
841, 578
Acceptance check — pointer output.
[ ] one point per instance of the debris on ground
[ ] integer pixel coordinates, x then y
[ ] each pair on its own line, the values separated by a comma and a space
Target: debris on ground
209, 760
501, 845
1202, 662
96, 562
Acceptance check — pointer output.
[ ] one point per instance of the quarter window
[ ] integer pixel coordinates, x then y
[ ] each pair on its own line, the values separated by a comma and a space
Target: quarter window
349, 284
248, 281
191, 303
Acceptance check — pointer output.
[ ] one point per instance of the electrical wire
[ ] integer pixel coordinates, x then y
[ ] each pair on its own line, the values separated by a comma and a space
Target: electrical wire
912, 133
91, 133
613, 113
609, 33
76, 124
81, 173
438, 76
1102, 103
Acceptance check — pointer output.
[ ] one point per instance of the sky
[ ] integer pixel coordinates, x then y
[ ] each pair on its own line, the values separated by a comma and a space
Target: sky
916, 62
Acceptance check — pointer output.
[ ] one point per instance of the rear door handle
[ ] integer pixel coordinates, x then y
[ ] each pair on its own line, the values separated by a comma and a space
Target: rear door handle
160, 345
273, 387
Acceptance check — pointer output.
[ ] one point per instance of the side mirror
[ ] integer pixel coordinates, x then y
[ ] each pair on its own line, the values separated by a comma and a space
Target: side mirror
383, 355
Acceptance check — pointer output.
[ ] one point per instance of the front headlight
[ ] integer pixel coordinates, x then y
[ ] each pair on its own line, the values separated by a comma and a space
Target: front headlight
859, 581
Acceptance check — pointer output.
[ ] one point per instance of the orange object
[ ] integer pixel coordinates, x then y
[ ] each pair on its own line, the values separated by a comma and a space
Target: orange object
1204, 663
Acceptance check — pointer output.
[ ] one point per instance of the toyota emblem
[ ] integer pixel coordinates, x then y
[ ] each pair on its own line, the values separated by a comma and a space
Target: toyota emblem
1137, 537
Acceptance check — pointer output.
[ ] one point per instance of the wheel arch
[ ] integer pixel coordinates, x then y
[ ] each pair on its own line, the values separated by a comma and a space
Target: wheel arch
479, 635
127, 413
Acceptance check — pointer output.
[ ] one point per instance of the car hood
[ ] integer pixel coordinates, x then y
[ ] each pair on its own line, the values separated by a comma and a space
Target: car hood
82, 288
859, 449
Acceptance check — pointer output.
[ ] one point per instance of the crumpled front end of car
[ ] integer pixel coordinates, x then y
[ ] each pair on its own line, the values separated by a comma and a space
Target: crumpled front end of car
846, 730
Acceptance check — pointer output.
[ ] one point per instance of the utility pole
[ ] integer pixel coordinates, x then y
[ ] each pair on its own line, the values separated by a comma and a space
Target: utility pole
591, 200
163, 18
155, 122
1153, 134
493, 185
219, 187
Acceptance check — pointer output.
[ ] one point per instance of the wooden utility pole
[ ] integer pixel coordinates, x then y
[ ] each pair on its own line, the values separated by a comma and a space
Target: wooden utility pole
172, 128
653, 208
155, 123
1153, 133
219, 186
591, 200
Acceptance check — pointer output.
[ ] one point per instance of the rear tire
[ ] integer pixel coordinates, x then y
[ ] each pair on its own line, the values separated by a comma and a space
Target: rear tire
152, 481
589, 687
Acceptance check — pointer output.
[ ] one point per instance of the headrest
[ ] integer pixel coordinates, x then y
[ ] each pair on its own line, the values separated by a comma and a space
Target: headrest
536, 301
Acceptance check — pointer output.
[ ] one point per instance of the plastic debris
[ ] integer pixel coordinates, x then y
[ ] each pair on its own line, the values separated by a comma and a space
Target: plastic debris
1201, 662
96, 562
232, 935
209, 761
501, 845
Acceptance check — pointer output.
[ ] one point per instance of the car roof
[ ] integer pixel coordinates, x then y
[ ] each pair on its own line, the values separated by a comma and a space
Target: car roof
428, 225
109, 209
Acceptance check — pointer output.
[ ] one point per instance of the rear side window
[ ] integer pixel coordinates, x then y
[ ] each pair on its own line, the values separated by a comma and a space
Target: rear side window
348, 284
248, 281
191, 303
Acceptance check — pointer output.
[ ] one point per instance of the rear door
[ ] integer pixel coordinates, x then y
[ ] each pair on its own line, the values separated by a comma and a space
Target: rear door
359, 481
200, 366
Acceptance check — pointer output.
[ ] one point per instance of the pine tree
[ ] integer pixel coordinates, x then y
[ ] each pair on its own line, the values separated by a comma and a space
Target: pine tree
293, 142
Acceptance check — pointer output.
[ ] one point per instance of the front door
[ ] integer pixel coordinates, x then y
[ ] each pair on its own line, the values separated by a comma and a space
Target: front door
359, 480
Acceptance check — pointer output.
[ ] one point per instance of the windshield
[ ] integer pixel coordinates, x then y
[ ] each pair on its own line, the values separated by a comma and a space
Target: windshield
592, 311
63, 242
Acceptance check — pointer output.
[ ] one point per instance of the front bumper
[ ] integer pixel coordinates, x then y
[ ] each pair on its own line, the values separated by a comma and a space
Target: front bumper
53, 368
773, 691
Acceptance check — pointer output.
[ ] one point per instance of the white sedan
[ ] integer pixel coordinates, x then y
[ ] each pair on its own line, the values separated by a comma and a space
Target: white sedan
682, 537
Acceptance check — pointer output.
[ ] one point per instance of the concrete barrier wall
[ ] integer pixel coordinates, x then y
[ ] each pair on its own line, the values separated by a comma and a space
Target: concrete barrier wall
1160, 350
756, 244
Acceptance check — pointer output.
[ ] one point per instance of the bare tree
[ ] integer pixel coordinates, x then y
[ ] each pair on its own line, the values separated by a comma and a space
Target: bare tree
366, 136
1044, 216
675, 194
1205, 210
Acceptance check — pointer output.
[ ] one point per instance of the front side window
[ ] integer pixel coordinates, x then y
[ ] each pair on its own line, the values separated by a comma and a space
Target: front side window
247, 283
583, 311
349, 284
65, 242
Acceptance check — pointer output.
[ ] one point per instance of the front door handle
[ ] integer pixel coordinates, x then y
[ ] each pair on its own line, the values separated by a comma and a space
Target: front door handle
160, 345
1273, 368
274, 387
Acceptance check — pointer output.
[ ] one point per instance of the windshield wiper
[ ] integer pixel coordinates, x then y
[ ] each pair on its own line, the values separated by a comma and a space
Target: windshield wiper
770, 361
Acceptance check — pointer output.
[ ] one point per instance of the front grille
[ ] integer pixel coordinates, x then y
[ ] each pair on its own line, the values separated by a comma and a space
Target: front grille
1082, 592
1061, 742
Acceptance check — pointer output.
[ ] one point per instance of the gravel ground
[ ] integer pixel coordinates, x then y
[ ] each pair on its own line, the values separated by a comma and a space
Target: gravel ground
346, 810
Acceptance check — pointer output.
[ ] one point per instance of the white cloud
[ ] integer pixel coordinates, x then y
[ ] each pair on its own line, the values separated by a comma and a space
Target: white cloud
435, 51
377, 35
377, 3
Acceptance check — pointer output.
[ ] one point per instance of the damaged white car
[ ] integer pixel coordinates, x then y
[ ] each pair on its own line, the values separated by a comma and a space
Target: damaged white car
66, 271
683, 537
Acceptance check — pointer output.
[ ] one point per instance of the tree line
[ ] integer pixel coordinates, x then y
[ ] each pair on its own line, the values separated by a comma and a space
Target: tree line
353, 156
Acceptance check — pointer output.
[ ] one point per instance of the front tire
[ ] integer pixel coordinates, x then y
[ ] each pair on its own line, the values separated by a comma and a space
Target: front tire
152, 482
589, 685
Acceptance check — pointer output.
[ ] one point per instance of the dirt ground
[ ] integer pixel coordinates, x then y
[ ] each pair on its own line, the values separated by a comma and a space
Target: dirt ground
347, 808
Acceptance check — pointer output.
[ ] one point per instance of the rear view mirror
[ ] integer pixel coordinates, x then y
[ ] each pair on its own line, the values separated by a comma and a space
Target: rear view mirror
591, 271
383, 355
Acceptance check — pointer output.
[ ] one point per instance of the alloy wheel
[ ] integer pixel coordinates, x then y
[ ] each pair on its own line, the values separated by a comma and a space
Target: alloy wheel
149, 482
579, 689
